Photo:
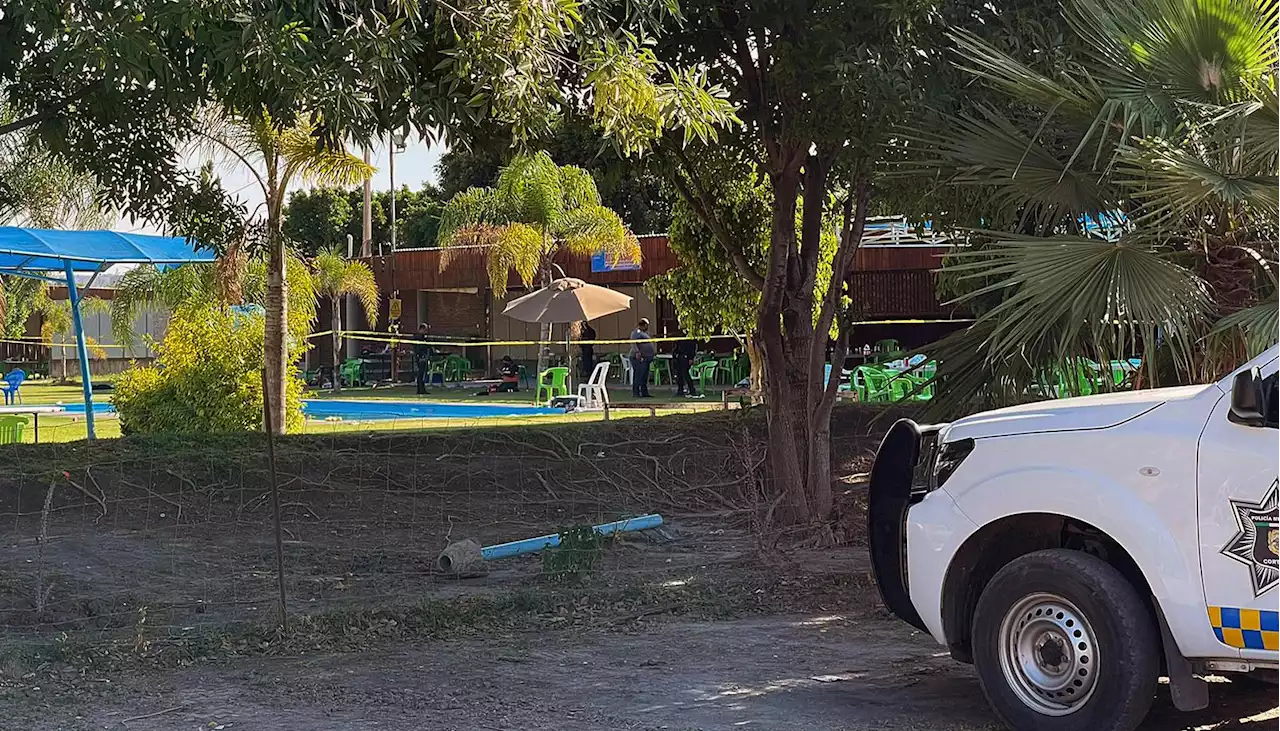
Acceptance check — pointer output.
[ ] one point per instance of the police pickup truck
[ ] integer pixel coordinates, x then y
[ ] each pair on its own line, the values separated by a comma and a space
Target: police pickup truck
1075, 551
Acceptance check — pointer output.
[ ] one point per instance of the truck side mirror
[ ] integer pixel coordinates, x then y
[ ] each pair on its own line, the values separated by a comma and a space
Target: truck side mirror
1246, 399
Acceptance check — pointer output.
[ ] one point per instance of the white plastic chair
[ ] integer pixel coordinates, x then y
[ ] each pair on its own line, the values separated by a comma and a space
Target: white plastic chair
594, 394
627, 371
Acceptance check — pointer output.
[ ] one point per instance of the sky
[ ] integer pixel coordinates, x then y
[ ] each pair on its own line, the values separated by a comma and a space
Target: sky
415, 166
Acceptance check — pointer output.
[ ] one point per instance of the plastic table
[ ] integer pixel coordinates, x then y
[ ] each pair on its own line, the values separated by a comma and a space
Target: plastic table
35, 411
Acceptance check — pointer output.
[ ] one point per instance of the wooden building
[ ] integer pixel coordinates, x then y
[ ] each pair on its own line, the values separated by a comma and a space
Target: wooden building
893, 281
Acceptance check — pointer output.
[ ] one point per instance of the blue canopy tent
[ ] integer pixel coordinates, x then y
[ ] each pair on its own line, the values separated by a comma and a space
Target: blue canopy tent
57, 256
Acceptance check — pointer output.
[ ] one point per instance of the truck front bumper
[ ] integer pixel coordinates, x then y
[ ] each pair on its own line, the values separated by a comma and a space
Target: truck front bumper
889, 498
913, 531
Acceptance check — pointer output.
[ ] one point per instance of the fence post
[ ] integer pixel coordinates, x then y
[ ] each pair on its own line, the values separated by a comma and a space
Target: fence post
275, 497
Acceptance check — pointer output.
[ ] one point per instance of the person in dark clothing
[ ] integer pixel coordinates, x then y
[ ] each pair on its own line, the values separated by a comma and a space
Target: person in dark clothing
588, 348
509, 372
641, 355
422, 355
681, 361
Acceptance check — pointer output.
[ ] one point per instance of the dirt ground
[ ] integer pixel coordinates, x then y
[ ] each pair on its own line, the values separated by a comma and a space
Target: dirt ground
785, 673
137, 593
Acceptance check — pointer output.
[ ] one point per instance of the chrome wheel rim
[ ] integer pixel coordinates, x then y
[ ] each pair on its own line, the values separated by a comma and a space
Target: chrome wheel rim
1049, 654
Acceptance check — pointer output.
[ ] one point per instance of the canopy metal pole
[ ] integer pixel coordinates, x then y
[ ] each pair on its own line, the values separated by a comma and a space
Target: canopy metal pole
74, 295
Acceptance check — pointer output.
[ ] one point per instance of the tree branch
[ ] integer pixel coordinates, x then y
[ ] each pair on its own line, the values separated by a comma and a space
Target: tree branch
815, 188
47, 113
855, 218
697, 196
753, 76
266, 191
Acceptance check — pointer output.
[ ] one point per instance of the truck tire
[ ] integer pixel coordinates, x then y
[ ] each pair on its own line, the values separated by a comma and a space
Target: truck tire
1063, 642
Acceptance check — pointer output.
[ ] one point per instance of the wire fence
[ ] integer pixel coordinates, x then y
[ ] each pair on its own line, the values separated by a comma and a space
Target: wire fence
169, 537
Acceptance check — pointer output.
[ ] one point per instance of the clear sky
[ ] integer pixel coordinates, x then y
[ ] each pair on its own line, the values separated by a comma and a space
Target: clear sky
415, 166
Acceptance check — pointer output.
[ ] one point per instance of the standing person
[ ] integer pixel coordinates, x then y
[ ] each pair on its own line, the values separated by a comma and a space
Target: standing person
588, 334
641, 355
681, 361
422, 354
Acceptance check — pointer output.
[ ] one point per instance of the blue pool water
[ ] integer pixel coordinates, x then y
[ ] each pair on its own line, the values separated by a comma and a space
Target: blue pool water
77, 407
363, 410
367, 410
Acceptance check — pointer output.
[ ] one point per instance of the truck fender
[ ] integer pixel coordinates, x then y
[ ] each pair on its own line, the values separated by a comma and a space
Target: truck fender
1094, 499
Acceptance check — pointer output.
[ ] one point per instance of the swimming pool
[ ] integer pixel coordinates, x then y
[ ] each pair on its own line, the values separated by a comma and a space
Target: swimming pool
371, 410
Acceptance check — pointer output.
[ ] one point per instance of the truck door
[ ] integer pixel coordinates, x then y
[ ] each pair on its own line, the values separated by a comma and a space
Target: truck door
1237, 482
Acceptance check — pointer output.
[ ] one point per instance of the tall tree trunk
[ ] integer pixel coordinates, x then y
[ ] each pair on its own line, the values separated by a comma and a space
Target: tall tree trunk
784, 411
755, 356
1230, 273
276, 350
336, 304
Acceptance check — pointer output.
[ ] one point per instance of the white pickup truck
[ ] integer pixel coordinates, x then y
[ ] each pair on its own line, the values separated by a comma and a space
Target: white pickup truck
1075, 551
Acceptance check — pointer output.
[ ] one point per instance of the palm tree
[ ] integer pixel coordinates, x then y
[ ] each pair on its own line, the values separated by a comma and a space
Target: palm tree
1166, 128
536, 210
277, 156
56, 323
196, 285
335, 278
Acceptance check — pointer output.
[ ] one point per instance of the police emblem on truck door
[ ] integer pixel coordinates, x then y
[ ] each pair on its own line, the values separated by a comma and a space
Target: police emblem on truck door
1256, 538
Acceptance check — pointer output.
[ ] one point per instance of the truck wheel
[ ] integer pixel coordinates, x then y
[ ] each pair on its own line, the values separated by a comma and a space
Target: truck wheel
1063, 642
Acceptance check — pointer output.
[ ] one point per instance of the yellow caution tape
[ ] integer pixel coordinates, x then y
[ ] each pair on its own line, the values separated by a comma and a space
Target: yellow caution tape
409, 339
46, 344
397, 339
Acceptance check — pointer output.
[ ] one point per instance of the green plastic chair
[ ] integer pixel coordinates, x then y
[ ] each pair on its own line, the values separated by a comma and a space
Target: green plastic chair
455, 368
705, 372
615, 364
554, 381
1076, 382
879, 386
352, 372
11, 429
724, 370
659, 368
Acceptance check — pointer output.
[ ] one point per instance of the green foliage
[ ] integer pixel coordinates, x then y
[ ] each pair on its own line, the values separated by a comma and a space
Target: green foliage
536, 209
19, 302
580, 550
334, 277
709, 293
141, 69
1165, 113
206, 379
316, 220
40, 190
226, 283
320, 219
631, 186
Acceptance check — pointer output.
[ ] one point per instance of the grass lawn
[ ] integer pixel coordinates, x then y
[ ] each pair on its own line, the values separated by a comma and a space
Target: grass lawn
470, 395
72, 428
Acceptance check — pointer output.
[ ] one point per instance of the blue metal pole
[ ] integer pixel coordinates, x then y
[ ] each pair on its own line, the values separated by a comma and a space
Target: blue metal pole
74, 295
533, 545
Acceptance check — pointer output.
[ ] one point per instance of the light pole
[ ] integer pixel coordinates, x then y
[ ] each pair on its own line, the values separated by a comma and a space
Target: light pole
397, 145
393, 314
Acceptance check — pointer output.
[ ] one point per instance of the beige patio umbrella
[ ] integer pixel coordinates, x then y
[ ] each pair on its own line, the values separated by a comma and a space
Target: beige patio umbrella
567, 300
564, 301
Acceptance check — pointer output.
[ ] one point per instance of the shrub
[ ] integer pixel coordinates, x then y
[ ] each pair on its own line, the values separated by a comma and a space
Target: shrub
207, 378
